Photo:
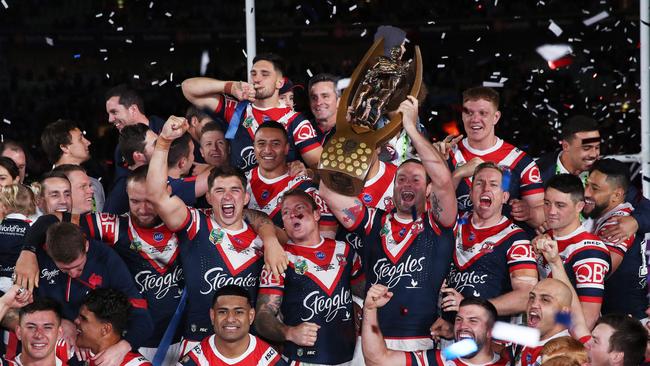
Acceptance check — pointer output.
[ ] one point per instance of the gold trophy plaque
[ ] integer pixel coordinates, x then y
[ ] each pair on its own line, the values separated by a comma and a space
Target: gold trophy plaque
379, 84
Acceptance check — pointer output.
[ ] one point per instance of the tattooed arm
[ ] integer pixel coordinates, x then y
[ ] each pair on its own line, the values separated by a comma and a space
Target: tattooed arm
268, 325
275, 258
443, 195
348, 210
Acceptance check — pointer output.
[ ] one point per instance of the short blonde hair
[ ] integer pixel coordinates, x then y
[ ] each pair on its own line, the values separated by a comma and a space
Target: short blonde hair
565, 346
17, 198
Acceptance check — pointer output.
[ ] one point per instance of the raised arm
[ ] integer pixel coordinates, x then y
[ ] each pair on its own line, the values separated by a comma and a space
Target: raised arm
171, 209
203, 92
275, 258
374, 348
514, 302
443, 195
346, 209
548, 248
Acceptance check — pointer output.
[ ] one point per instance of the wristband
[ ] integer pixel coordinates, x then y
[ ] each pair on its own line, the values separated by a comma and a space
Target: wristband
29, 248
228, 88
163, 143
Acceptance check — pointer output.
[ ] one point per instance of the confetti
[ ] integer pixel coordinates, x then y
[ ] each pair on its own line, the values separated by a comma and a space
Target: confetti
205, 60
441, 66
460, 349
353, 7
334, 10
168, 14
518, 334
552, 52
442, 36
309, 73
363, 34
77, 56
4, 3
555, 28
135, 76
49, 41
119, 29
108, 76
492, 84
128, 40
6, 121
151, 5
596, 18
307, 21
99, 15
342, 83
244, 52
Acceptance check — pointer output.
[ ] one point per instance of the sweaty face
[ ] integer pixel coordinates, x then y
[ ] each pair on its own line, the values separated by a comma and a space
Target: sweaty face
560, 211
38, 332
18, 156
271, 149
118, 115
410, 188
231, 318
479, 118
88, 329
82, 192
56, 196
299, 219
266, 80
78, 147
5, 177
228, 198
141, 209
487, 194
472, 322
542, 307
598, 345
287, 99
598, 194
213, 148
322, 101
582, 155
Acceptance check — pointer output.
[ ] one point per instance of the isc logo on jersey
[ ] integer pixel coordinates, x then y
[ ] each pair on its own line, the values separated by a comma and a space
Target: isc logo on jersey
591, 272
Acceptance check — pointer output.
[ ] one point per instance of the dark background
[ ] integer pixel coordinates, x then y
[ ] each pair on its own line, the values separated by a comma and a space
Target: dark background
464, 43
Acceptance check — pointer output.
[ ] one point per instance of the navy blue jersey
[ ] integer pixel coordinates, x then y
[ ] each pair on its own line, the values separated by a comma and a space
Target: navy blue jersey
12, 235
117, 201
151, 254
184, 188
626, 288
213, 257
412, 259
524, 174
103, 269
484, 258
301, 133
316, 288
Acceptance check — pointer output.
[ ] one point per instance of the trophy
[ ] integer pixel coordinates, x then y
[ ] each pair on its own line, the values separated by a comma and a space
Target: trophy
379, 84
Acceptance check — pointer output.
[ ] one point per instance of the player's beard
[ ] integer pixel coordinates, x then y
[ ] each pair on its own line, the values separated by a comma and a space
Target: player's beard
263, 93
596, 212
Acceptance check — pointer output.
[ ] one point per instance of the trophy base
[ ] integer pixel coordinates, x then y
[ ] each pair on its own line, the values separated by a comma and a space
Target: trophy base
345, 163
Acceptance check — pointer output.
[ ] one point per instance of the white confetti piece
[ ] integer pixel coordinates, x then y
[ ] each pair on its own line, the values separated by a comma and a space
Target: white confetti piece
205, 60
431, 22
111, 14
334, 10
442, 36
552, 52
151, 5
49, 41
441, 66
555, 28
6, 121
516, 334
108, 76
153, 63
492, 84
103, 50
363, 34
4, 3
128, 40
99, 15
171, 76
435, 113
244, 52
342, 83
353, 7
111, 22
135, 76
162, 83
155, 82
171, 49
460, 349
596, 18
119, 29
168, 14
307, 21
309, 73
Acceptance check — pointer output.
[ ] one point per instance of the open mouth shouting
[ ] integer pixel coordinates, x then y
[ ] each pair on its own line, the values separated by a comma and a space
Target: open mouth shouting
228, 210
485, 201
534, 318
408, 197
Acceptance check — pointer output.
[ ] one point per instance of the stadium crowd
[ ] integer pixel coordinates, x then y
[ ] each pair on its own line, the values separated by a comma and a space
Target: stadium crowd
218, 243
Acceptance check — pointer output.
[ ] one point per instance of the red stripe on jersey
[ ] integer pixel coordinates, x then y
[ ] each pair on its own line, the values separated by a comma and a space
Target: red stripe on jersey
531, 192
308, 148
517, 267
138, 303
591, 299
